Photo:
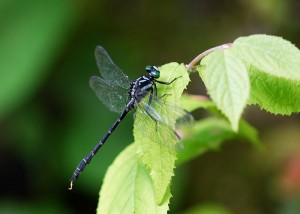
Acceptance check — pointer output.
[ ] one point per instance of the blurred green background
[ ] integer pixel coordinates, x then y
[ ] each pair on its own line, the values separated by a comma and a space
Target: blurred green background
50, 118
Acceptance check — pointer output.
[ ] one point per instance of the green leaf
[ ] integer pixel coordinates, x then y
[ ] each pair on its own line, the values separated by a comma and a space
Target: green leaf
270, 54
206, 134
249, 133
128, 187
276, 95
274, 68
209, 134
227, 82
193, 102
156, 147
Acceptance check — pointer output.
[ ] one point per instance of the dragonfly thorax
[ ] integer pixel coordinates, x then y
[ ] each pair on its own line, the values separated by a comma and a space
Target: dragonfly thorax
141, 87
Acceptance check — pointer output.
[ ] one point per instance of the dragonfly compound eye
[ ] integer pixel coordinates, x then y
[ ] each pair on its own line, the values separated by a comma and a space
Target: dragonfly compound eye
155, 74
153, 71
148, 68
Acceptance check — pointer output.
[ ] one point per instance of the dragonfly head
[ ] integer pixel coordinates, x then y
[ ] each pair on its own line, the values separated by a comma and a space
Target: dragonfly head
153, 71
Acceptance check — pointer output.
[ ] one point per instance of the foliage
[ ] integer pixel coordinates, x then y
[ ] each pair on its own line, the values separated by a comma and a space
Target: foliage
258, 69
128, 187
20, 72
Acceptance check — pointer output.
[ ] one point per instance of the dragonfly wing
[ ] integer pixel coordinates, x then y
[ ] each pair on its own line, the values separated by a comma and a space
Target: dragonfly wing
113, 97
167, 113
155, 130
109, 70
164, 118
183, 117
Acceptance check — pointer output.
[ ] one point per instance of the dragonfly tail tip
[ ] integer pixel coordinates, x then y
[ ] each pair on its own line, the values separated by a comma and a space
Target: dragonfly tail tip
71, 186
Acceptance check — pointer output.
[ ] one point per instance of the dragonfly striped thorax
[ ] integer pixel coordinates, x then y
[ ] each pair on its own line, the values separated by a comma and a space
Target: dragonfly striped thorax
145, 84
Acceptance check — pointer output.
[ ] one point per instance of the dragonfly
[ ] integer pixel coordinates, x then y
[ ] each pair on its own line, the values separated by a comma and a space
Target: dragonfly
121, 95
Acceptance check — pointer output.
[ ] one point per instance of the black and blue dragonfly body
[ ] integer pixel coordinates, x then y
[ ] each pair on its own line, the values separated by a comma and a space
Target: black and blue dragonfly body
113, 88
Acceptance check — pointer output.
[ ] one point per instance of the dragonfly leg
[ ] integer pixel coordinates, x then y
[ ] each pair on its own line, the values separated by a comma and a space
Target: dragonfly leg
155, 91
167, 83
164, 95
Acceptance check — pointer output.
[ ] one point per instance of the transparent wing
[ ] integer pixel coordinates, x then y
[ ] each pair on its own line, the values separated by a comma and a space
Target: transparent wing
112, 75
159, 121
113, 97
167, 113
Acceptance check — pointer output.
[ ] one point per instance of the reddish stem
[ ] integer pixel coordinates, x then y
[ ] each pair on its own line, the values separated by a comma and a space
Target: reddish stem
205, 53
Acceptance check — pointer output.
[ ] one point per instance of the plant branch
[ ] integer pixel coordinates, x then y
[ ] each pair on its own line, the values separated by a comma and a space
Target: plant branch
205, 53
